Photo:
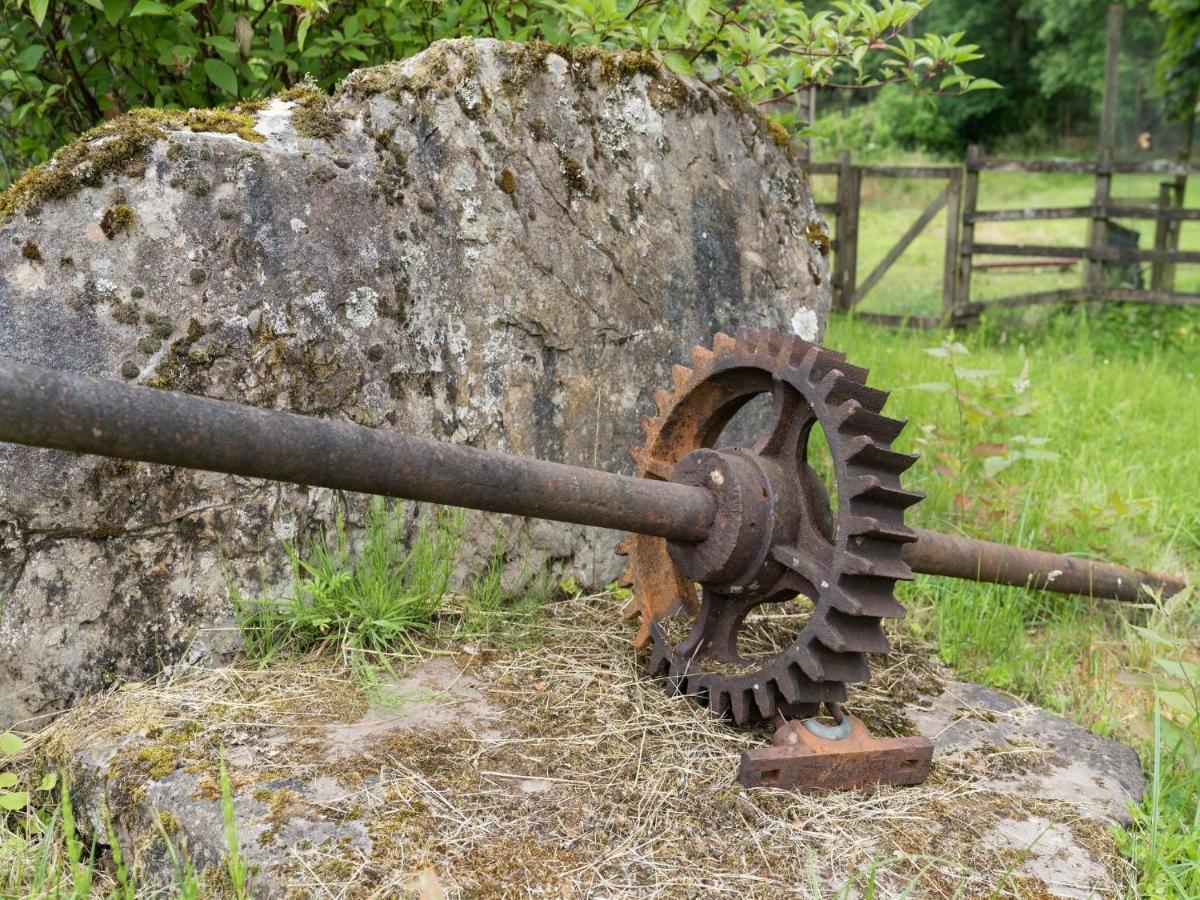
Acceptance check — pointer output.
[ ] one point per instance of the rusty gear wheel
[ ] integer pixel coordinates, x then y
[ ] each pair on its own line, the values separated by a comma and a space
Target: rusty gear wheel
776, 535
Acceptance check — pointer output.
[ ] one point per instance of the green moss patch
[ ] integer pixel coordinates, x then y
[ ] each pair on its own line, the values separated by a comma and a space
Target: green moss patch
115, 220
117, 147
112, 147
311, 115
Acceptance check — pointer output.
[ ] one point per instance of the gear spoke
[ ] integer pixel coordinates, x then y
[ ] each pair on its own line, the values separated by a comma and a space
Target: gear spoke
791, 415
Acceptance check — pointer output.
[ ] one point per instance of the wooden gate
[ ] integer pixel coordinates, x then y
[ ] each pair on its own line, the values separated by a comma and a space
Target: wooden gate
847, 292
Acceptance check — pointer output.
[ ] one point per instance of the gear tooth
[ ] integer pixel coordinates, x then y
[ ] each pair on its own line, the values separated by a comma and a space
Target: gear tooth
869, 526
793, 677
877, 566
702, 358
854, 419
631, 609
856, 374
658, 659
696, 686
625, 545
723, 343
857, 634
663, 400
741, 706
677, 669
825, 360
626, 579
680, 376
865, 451
869, 597
649, 426
846, 388
844, 667
642, 639
873, 489
765, 698
718, 702
800, 351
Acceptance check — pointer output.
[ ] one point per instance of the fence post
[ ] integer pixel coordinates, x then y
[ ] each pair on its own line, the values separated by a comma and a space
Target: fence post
1099, 238
970, 199
950, 265
1162, 229
846, 261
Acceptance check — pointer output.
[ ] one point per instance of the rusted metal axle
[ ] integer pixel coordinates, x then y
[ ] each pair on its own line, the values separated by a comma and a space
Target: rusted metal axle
45, 408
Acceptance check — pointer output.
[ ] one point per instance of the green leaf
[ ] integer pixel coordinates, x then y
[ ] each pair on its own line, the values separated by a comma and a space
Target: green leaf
302, 32
15, 801
49, 781
114, 10
697, 10
221, 74
37, 9
983, 84
8, 779
222, 44
10, 744
28, 58
149, 8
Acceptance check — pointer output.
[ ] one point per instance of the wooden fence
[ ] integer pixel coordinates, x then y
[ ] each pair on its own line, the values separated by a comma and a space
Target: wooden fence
960, 197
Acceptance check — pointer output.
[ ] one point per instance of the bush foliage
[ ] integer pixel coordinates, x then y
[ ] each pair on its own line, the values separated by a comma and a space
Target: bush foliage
67, 64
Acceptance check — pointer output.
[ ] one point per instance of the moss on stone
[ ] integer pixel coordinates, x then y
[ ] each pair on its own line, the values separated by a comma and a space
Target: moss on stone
507, 181
779, 134
111, 147
573, 174
221, 121
817, 237
117, 146
115, 220
31, 252
149, 345
157, 761
311, 115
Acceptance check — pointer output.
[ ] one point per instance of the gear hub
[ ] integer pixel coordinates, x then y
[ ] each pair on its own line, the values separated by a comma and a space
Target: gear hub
784, 549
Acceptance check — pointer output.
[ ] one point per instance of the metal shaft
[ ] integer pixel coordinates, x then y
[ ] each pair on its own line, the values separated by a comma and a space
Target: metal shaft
45, 408
975, 560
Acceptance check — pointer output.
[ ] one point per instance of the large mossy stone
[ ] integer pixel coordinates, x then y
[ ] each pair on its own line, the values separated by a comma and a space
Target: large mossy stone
502, 245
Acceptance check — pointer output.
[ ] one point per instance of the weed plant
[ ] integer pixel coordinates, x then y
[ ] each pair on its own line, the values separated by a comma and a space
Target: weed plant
360, 604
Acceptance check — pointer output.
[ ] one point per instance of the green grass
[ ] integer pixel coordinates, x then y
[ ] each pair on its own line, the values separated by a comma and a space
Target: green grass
1114, 473
43, 857
913, 284
367, 603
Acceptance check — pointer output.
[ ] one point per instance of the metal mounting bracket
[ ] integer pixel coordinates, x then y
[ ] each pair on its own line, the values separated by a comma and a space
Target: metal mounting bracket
801, 760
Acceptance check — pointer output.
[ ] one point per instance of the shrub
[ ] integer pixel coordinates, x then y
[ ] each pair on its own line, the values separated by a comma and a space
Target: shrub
66, 65
896, 119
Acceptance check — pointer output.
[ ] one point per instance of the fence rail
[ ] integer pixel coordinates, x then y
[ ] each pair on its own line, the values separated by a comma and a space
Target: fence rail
960, 197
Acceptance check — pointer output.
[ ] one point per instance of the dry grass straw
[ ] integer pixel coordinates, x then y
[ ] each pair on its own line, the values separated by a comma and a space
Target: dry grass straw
638, 794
